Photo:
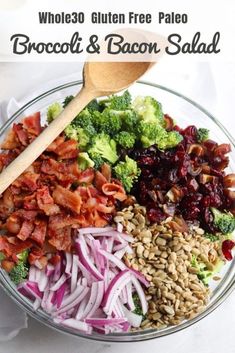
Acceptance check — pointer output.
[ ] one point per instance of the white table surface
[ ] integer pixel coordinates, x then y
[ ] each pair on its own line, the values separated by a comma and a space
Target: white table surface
213, 334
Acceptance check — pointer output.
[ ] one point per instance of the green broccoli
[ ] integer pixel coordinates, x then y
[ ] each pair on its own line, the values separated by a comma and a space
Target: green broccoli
67, 100
203, 273
125, 139
224, 221
19, 273
84, 120
83, 138
20, 270
212, 237
84, 161
71, 132
129, 120
138, 308
148, 109
116, 102
127, 172
108, 122
94, 106
172, 139
97, 159
53, 111
103, 145
202, 134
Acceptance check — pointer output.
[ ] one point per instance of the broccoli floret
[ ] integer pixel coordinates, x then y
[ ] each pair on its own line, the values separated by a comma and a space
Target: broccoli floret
23, 256
84, 120
212, 237
94, 106
172, 139
148, 109
125, 139
71, 132
203, 273
84, 161
19, 273
129, 120
97, 159
108, 122
224, 221
103, 145
202, 134
53, 111
67, 100
127, 172
115, 102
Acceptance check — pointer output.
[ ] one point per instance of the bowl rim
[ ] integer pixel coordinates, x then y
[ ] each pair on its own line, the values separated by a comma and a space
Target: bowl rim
26, 305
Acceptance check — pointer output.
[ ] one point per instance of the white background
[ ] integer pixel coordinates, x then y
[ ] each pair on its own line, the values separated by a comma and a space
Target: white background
212, 86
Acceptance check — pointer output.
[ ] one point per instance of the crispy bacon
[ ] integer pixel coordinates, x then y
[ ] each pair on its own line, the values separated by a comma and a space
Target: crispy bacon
21, 134
54, 145
25, 230
100, 180
67, 149
115, 190
10, 142
87, 176
17, 247
67, 199
32, 124
45, 201
27, 181
39, 233
61, 238
106, 171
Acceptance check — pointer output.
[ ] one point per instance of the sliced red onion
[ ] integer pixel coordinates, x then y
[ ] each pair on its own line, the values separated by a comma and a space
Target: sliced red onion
37, 275
38, 264
82, 307
71, 297
75, 302
115, 260
49, 269
120, 246
119, 227
45, 298
95, 230
85, 272
140, 277
60, 294
103, 322
57, 285
120, 253
68, 267
32, 274
36, 304
57, 272
43, 281
130, 301
114, 290
34, 289
74, 272
134, 319
77, 325
97, 300
92, 299
141, 294
84, 258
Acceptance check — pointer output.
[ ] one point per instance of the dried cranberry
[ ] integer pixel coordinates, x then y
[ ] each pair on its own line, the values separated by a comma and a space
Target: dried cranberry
155, 215
227, 247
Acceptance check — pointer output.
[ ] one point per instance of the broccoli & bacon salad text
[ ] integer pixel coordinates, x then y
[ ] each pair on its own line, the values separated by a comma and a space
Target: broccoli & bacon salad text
122, 222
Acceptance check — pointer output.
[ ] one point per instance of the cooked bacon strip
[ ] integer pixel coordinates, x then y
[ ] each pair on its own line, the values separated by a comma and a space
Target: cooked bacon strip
6, 159
64, 172
45, 201
100, 180
39, 233
10, 142
61, 238
29, 202
64, 220
67, 150
13, 224
21, 134
114, 190
32, 124
9, 248
27, 181
54, 145
25, 230
87, 176
106, 171
67, 199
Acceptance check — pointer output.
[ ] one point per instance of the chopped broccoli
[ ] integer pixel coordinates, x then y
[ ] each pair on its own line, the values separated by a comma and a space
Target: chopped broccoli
83, 138
202, 134
127, 172
19, 272
94, 106
71, 132
224, 221
172, 139
97, 159
152, 133
53, 111
67, 100
2, 256
212, 237
115, 102
84, 120
108, 122
84, 161
125, 139
104, 146
203, 273
130, 120
148, 109
23, 256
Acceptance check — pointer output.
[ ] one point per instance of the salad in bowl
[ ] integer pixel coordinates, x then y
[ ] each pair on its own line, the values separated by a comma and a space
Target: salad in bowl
124, 224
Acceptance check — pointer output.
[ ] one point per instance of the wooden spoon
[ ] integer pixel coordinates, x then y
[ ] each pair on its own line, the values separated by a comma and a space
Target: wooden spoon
100, 79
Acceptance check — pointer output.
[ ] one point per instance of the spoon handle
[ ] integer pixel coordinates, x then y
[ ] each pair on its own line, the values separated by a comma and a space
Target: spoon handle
47, 136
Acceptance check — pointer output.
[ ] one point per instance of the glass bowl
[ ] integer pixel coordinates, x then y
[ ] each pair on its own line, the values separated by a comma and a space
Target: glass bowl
185, 112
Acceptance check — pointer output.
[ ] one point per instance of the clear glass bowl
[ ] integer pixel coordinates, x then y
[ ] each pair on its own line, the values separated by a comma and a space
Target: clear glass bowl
185, 112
